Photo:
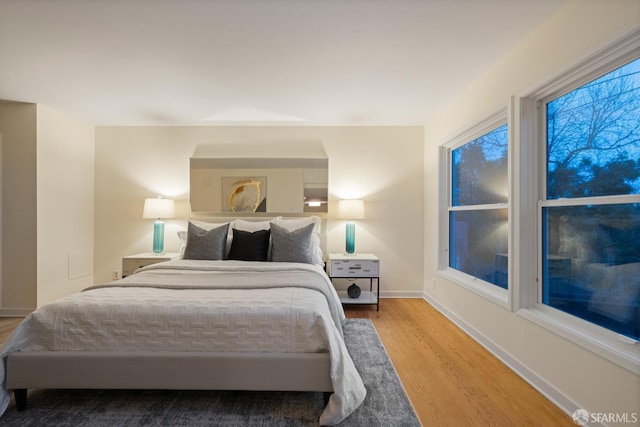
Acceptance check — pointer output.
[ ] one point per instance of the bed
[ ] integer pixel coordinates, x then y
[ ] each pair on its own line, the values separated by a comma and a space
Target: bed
215, 321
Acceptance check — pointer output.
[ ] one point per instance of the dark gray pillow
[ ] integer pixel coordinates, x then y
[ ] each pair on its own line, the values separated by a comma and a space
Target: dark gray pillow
249, 246
291, 246
206, 244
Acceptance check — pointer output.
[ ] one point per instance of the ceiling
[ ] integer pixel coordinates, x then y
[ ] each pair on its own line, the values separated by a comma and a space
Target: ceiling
247, 62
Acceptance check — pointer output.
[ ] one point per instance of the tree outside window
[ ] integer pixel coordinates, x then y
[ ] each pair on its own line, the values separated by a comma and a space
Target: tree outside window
478, 213
591, 213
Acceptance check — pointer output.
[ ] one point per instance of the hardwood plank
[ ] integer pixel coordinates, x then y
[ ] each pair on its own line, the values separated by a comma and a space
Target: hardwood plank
7, 325
450, 379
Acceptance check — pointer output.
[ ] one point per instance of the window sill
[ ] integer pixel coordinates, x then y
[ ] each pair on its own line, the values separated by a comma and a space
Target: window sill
484, 289
619, 349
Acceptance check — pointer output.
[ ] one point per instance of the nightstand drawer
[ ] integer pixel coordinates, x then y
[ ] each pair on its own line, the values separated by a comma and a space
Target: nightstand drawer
354, 268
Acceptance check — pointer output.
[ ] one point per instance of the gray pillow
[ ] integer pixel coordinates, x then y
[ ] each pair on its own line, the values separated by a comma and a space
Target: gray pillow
206, 244
291, 246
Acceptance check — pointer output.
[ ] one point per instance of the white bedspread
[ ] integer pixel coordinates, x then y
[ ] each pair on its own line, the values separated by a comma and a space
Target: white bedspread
211, 306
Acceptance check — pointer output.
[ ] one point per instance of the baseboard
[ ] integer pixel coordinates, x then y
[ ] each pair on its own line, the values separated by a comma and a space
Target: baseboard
401, 294
546, 389
15, 312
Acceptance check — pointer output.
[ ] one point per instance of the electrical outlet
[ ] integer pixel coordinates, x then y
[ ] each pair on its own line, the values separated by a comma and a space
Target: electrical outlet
115, 274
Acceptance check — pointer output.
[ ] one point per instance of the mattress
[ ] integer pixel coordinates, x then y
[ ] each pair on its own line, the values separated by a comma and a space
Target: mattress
204, 306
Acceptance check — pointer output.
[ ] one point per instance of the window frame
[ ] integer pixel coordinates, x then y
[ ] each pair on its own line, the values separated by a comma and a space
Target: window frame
530, 188
490, 291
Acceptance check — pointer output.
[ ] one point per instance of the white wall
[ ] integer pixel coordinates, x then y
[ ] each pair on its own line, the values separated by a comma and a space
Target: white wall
382, 165
65, 185
573, 376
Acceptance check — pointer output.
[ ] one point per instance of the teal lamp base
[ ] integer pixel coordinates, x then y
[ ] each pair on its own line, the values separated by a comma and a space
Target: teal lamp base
350, 244
158, 237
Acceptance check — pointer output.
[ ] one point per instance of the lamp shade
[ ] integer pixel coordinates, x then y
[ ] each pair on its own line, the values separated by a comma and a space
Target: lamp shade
159, 208
351, 209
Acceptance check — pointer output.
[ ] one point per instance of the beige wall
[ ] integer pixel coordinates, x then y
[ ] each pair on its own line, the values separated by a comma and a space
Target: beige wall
579, 376
65, 186
382, 165
47, 206
19, 231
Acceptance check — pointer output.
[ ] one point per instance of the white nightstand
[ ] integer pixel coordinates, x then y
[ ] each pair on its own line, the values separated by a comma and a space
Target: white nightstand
133, 262
358, 266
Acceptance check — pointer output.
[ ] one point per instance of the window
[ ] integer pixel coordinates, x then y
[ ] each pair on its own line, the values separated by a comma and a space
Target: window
590, 204
540, 205
477, 235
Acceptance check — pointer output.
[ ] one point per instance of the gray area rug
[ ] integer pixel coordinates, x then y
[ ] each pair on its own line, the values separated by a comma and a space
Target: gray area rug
386, 403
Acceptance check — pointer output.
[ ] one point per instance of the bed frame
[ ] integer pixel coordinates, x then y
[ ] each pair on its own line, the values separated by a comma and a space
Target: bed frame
167, 371
170, 370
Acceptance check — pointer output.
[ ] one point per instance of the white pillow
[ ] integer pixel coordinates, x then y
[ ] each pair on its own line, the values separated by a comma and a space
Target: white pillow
182, 235
296, 223
251, 226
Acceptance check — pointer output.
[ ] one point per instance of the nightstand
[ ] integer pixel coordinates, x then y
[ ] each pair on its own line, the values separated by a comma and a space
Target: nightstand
357, 266
133, 262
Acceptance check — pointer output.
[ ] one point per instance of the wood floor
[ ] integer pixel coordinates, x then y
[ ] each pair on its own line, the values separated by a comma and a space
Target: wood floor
451, 380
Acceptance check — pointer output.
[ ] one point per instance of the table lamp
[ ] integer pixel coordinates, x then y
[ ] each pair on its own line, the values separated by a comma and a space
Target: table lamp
350, 209
158, 208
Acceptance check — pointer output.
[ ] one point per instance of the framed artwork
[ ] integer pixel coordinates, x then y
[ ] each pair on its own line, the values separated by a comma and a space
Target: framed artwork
244, 194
